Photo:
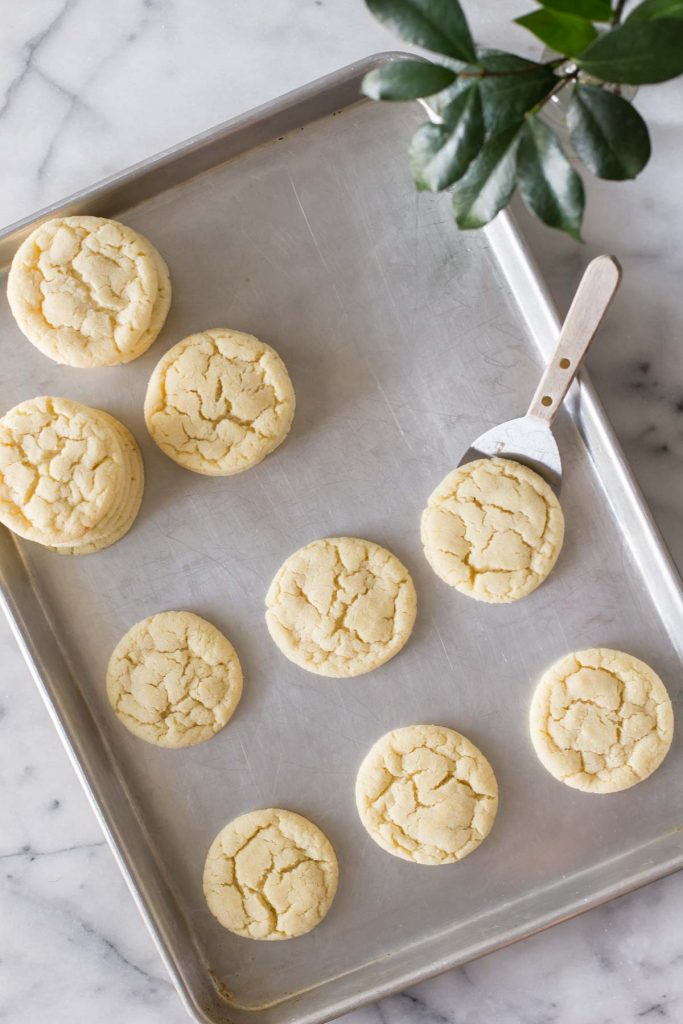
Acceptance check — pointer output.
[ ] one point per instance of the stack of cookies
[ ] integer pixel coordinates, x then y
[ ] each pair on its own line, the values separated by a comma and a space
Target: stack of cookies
88, 291
71, 477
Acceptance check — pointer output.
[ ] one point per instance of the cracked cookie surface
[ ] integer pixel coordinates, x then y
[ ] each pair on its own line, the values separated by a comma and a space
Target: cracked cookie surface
124, 513
601, 720
426, 794
270, 874
218, 402
341, 606
87, 291
493, 529
62, 469
174, 679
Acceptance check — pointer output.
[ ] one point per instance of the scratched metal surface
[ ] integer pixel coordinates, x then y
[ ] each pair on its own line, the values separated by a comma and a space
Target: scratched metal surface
404, 341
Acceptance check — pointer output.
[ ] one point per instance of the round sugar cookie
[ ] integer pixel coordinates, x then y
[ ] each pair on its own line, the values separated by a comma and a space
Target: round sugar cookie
493, 530
601, 720
174, 679
218, 402
121, 518
426, 794
270, 874
87, 291
62, 468
341, 606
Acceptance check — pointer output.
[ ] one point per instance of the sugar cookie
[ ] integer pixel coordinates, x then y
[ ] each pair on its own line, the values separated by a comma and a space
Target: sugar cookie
270, 874
88, 291
341, 606
174, 679
601, 720
493, 530
218, 402
426, 794
66, 471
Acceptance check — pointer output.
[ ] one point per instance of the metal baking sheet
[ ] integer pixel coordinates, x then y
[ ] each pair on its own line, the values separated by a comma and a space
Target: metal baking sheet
404, 339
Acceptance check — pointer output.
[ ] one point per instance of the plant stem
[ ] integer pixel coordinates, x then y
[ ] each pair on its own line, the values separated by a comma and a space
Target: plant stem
553, 92
485, 73
617, 13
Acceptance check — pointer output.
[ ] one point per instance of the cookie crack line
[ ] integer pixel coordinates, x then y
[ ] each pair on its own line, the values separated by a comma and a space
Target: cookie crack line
256, 890
451, 775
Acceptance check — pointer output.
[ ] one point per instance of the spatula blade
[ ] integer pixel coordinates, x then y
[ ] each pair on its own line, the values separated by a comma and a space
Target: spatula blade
528, 440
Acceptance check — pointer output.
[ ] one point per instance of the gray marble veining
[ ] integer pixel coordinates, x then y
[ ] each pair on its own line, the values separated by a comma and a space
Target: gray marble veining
88, 87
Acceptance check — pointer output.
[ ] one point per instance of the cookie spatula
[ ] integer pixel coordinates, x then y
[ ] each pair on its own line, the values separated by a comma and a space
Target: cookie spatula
529, 439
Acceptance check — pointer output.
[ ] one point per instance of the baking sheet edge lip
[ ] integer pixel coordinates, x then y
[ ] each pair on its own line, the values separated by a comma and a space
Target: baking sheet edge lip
63, 730
504, 230
309, 90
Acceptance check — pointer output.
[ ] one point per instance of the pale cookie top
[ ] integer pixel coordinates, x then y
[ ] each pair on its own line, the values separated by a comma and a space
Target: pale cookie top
601, 720
493, 530
341, 606
84, 290
61, 467
218, 402
270, 874
174, 679
121, 517
426, 794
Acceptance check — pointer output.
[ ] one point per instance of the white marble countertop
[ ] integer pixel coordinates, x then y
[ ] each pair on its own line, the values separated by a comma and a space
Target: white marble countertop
88, 87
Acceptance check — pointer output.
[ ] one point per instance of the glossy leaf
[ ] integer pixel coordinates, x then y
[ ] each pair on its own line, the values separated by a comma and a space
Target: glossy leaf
637, 52
507, 98
562, 32
607, 133
657, 9
592, 10
441, 153
438, 25
406, 80
499, 61
442, 102
550, 186
489, 182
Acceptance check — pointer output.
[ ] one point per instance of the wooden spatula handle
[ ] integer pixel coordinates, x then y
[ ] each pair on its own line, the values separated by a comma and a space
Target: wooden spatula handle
589, 305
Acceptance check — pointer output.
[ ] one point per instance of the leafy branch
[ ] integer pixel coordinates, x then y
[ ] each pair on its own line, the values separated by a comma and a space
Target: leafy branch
487, 137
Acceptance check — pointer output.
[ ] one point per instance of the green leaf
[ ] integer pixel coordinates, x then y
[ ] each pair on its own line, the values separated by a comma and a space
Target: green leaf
607, 133
637, 52
441, 153
442, 103
406, 80
550, 186
562, 32
507, 97
657, 9
438, 25
500, 60
592, 10
489, 182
